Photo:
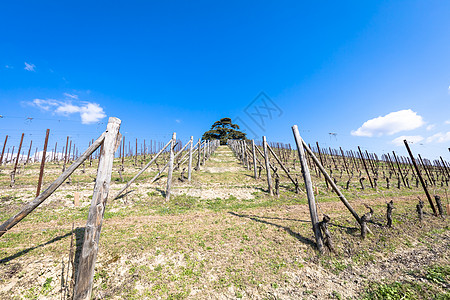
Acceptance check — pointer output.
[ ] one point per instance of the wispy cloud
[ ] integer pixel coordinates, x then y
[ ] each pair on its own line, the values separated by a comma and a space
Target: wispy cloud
390, 124
410, 138
9, 67
439, 138
447, 122
431, 126
71, 96
30, 67
46, 105
178, 121
90, 112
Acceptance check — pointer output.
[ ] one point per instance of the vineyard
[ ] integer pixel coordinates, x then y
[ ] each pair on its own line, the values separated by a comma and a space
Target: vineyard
200, 220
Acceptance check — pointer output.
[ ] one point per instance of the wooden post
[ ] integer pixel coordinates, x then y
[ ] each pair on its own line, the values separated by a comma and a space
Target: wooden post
45, 194
420, 177
83, 285
18, 154
123, 150
309, 189
171, 159
29, 151
65, 155
44, 153
190, 159
68, 154
365, 166
3, 151
199, 154
135, 154
254, 159
266, 160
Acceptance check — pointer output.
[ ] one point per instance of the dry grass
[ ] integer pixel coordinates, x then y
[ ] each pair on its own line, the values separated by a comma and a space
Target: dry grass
221, 237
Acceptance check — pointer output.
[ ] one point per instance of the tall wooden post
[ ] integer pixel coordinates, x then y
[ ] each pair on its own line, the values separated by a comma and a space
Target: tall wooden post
204, 152
18, 154
365, 166
266, 160
254, 159
65, 155
41, 172
420, 177
399, 169
29, 151
199, 154
309, 189
171, 159
83, 285
135, 154
3, 151
190, 159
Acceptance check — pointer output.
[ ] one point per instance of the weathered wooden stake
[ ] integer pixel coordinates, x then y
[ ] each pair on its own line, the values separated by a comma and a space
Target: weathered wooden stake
3, 151
41, 172
365, 166
83, 285
309, 189
266, 159
420, 177
171, 159
190, 159
29, 151
199, 154
17, 161
254, 159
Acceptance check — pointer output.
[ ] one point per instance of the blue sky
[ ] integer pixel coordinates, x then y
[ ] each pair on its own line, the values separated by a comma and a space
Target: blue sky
370, 72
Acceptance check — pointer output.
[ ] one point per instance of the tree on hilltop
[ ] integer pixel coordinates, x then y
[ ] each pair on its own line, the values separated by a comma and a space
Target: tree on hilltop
224, 130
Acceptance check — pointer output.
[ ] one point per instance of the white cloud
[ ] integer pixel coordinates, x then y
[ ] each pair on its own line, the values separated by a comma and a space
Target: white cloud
410, 138
89, 112
178, 121
45, 104
431, 126
439, 138
9, 67
71, 96
447, 122
30, 67
390, 124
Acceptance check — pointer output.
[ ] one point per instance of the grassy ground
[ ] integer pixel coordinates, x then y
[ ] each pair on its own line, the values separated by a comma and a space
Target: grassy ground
222, 237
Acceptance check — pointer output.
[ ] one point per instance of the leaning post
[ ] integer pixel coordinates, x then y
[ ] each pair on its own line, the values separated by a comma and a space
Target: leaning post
309, 189
420, 177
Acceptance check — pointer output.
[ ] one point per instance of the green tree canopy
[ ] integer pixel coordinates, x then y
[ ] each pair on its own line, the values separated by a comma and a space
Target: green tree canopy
224, 130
